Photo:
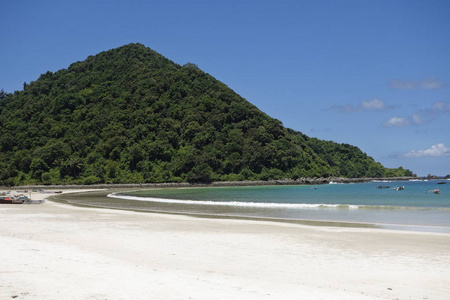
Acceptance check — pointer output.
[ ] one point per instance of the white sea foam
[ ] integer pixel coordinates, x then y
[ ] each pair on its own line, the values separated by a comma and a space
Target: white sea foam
235, 203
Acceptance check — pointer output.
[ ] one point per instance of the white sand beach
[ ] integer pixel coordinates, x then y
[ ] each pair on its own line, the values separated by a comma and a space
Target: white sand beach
58, 251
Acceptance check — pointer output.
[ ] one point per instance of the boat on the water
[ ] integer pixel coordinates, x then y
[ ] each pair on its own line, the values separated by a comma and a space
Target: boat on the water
399, 188
383, 186
434, 191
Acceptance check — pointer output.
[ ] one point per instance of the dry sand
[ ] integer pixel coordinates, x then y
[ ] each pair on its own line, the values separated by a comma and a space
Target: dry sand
57, 251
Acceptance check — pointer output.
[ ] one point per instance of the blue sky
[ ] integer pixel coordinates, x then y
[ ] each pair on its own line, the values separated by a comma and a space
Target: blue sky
374, 74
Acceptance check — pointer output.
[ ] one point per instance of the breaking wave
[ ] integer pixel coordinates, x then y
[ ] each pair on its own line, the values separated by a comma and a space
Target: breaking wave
265, 204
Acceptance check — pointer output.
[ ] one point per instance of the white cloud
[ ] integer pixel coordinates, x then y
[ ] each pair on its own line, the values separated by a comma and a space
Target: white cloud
441, 106
418, 118
421, 117
431, 83
397, 122
373, 104
366, 105
438, 150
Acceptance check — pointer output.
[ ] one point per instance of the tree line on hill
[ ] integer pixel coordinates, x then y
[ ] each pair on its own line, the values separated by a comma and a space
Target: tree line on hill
130, 115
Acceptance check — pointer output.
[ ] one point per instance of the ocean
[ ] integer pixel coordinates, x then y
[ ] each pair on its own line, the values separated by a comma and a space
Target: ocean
415, 208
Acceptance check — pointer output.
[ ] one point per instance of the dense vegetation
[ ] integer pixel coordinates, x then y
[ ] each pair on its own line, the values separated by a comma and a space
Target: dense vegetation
129, 115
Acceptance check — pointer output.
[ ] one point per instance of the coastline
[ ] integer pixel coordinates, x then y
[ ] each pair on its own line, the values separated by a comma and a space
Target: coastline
56, 250
299, 181
105, 192
387, 218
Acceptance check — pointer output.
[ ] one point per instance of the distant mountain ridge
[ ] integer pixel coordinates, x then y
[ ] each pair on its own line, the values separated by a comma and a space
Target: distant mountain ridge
130, 115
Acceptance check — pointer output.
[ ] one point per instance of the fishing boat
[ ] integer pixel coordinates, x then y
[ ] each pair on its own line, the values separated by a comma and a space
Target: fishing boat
399, 188
383, 186
16, 199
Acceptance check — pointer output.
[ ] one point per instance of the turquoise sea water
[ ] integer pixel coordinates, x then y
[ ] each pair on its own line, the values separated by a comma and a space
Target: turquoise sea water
414, 208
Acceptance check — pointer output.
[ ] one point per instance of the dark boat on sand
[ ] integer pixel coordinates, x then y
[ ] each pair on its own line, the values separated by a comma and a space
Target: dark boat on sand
17, 199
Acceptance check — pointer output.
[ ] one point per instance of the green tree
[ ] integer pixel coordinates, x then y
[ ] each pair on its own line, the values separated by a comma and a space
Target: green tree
2, 94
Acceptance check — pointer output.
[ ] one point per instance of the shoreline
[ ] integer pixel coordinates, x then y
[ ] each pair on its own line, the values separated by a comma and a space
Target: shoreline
54, 249
242, 213
299, 181
102, 192
326, 223
305, 222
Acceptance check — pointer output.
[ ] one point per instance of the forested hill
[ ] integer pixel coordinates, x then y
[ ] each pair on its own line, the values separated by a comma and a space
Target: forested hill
129, 115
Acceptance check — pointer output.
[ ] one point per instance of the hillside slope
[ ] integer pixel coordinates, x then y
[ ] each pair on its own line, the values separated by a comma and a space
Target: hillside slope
129, 115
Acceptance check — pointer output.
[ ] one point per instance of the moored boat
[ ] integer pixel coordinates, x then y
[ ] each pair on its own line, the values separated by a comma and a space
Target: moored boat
16, 199
399, 188
50, 192
383, 186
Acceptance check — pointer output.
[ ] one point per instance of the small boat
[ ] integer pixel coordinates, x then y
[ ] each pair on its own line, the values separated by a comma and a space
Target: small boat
50, 192
399, 188
16, 199
5, 200
442, 182
434, 191
383, 186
